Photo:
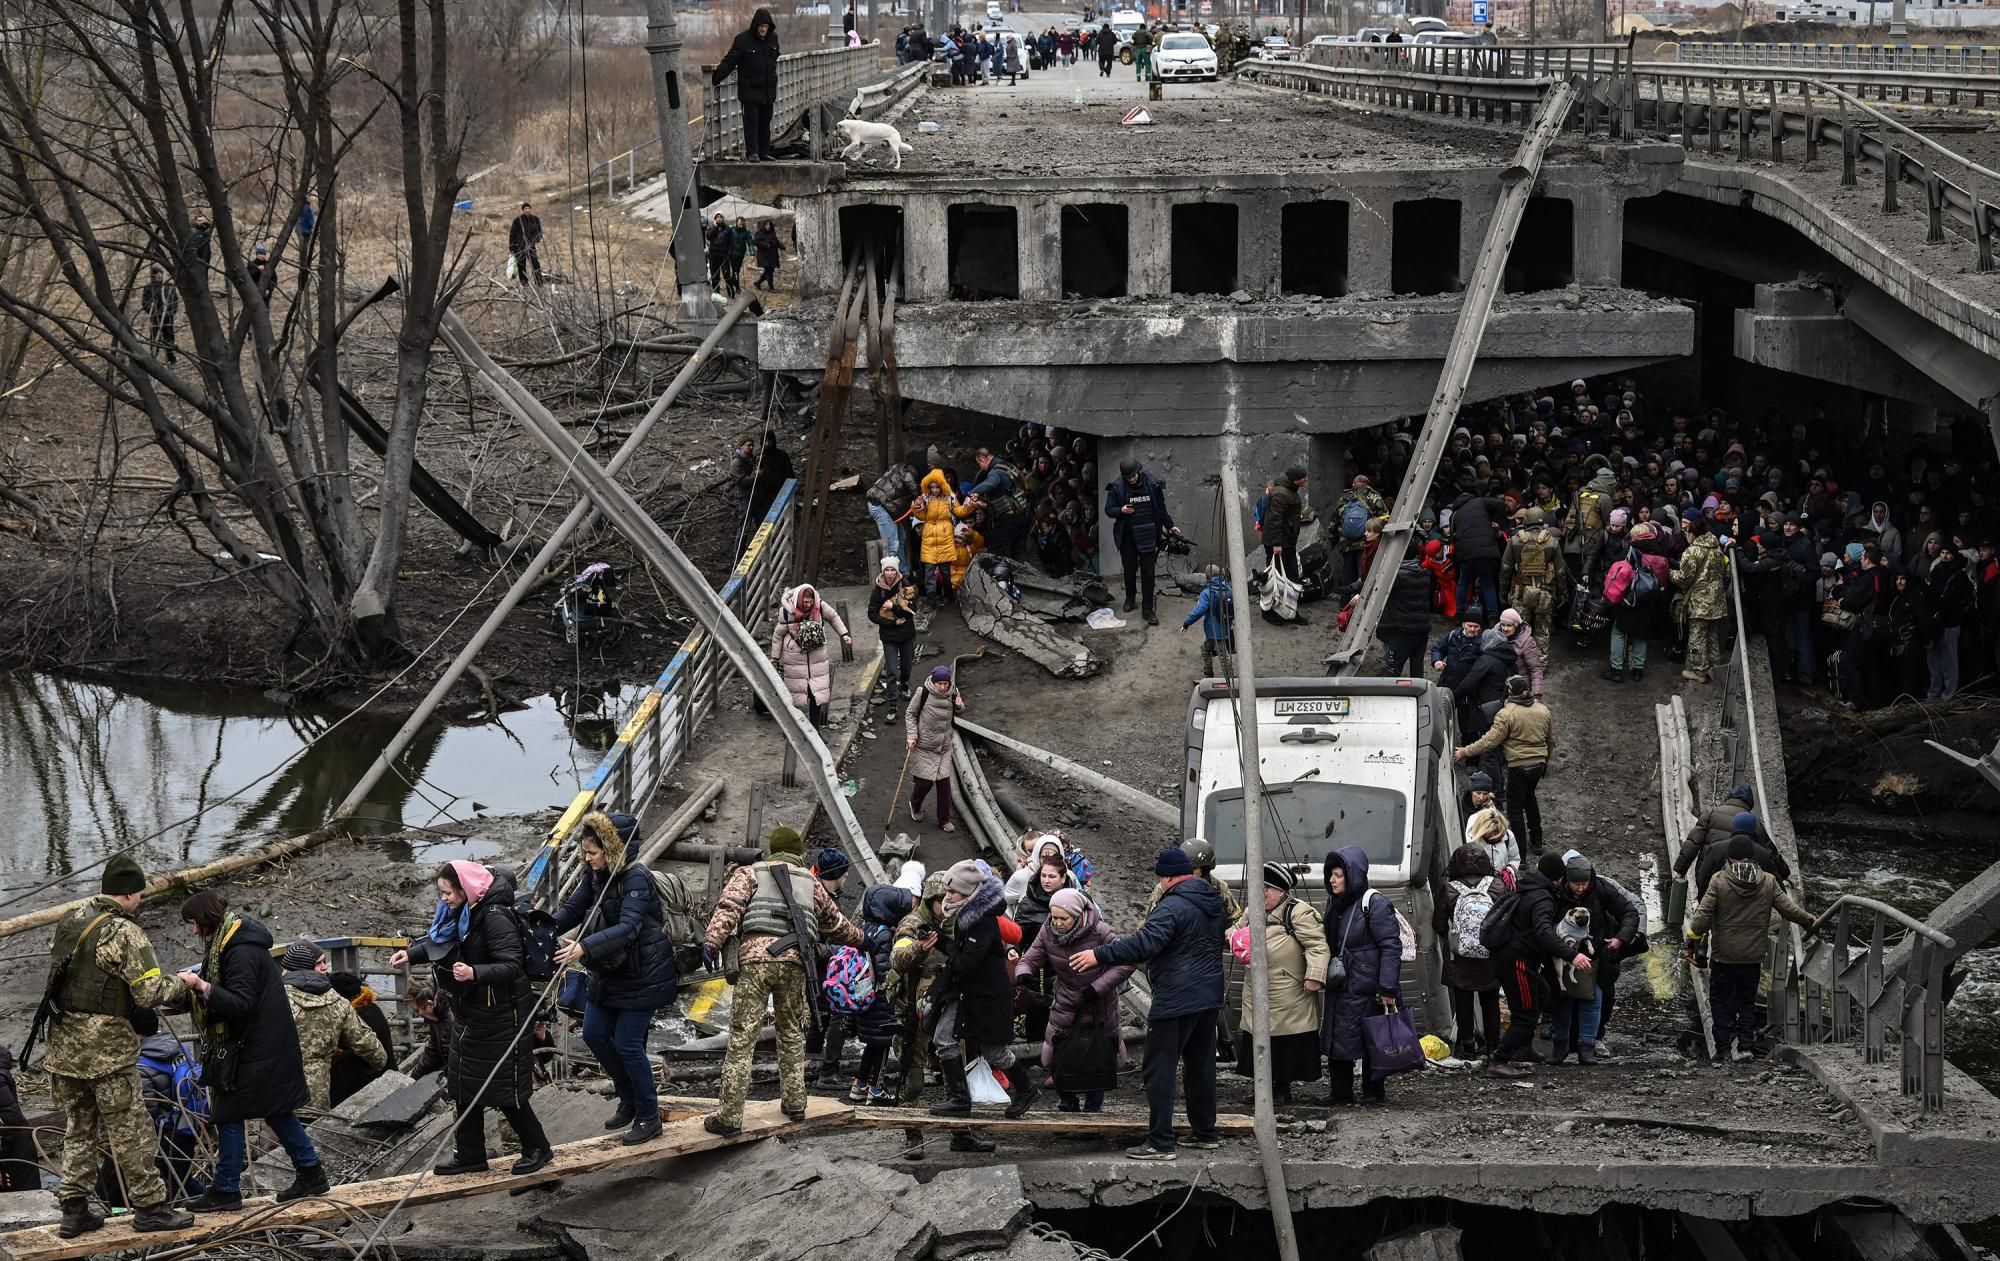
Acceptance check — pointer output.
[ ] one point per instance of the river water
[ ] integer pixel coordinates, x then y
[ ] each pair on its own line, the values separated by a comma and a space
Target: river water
87, 767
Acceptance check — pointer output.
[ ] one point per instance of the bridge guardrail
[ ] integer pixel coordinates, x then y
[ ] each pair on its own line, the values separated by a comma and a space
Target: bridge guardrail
657, 735
1493, 99
1942, 58
802, 79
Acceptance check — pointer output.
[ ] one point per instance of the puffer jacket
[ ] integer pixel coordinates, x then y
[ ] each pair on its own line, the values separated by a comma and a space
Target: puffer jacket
625, 944
883, 907
808, 672
1078, 996
1487, 679
927, 719
488, 1009
1735, 913
1149, 518
1282, 514
1408, 609
1475, 529
327, 1024
246, 1005
1364, 936
1295, 943
976, 975
1717, 826
935, 512
1212, 608
896, 489
1181, 944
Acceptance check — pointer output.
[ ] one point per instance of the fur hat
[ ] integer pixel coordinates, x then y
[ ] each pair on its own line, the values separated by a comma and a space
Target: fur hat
787, 841
1173, 861
123, 875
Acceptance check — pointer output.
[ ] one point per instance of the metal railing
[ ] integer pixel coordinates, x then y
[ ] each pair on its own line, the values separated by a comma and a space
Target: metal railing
1944, 58
687, 692
1490, 61
802, 79
1482, 98
1889, 87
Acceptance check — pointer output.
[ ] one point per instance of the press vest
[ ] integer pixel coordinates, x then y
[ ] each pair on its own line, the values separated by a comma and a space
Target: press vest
87, 988
766, 915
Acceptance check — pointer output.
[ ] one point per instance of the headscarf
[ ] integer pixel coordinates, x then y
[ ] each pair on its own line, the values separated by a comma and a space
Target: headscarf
447, 926
1075, 903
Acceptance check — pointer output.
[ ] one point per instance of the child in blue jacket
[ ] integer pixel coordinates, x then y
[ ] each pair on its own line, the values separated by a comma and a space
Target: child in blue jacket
1216, 610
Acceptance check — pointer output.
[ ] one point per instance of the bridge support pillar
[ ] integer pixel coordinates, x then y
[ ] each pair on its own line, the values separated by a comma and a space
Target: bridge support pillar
926, 251
1326, 470
1149, 270
1259, 249
1039, 238
1369, 242
1598, 244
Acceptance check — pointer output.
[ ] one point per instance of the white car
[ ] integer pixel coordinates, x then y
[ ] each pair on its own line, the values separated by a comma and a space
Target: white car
1277, 48
1184, 56
993, 10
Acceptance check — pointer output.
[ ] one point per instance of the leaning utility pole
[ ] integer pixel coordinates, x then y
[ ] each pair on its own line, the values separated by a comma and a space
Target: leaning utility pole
663, 42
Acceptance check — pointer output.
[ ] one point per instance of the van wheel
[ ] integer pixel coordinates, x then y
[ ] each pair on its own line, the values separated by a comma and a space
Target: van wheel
1124, 56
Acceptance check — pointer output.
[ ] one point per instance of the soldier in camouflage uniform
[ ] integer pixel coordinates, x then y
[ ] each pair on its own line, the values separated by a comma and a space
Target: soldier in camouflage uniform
753, 912
1533, 560
1225, 51
93, 1051
1702, 577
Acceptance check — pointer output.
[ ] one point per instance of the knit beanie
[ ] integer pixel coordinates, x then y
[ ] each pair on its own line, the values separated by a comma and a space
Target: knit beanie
1741, 846
301, 956
1482, 782
1744, 822
830, 863
1745, 793
1280, 876
1578, 868
1620, 516
1550, 865
1173, 861
787, 841
1854, 553
123, 875
964, 878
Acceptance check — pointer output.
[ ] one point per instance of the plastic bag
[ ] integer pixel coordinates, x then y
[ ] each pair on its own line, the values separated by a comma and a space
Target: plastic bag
1103, 619
979, 1080
513, 268
1280, 596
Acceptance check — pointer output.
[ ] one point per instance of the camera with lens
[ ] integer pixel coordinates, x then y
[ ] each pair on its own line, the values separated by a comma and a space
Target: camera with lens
1177, 545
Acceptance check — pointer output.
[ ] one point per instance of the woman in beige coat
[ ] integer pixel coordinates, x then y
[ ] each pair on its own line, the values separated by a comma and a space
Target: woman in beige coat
927, 725
1295, 940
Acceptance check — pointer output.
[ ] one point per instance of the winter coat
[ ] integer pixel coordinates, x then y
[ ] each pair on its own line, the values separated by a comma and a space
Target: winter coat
1716, 857
1212, 608
1535, 942
1606, 547
1371, 504
721, 240
1613, 911
1470, 863
1408, 610
1475, 528
1079, 997
976, 973
1149, 518
1363, 934
489, 1008
897, 624
1282, 515
808, 672
352, 1071
1524, 731
1181, 944
1458, 651
1735, 914
895, 490
739, 246
1619, 576
246, 1005
963, 549
883, 907
754, 61
928, 719
1715, 828
1295, 943
767, 245
935, 513
327, 1024
625, 946
1487, 679
1703, 576
1527, 654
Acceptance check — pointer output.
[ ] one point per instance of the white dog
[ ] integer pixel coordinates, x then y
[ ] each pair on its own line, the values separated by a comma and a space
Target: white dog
859, 135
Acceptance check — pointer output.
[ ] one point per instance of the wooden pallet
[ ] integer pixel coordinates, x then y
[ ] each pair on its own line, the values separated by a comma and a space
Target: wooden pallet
680, 1137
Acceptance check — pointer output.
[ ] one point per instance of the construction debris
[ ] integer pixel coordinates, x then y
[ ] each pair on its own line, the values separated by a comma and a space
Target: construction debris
995, 613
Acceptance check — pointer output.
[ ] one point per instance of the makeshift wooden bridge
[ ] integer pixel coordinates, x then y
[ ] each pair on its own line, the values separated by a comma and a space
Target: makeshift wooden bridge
682, 1135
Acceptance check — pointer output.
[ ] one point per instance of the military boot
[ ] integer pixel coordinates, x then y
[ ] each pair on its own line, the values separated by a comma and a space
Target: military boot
78, 1219
957, 1095
161, 1216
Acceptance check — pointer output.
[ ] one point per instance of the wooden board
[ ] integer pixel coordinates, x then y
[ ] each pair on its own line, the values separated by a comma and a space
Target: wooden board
377, 1196
1044, 1120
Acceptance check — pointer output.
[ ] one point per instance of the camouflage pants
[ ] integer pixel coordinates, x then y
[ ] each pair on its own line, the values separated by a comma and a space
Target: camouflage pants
114, 1102
1704, 644
784, 985
1537, 607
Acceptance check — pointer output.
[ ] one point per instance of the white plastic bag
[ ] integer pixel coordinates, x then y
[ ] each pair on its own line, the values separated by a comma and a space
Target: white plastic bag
984, 1086
1104, 619
1280, 595
513, 267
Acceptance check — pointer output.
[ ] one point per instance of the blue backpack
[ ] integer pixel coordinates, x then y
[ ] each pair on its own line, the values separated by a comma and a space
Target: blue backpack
189, 1105
850, 981
1354, 520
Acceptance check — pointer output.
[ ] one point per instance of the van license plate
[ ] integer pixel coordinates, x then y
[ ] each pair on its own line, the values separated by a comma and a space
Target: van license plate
1312, 707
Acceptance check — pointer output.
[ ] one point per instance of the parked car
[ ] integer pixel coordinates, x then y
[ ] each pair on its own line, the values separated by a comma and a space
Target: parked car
1277, 48
1374, 34
1184, 56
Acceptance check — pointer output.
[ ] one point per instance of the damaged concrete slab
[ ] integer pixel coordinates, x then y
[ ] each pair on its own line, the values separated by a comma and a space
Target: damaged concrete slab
994, 613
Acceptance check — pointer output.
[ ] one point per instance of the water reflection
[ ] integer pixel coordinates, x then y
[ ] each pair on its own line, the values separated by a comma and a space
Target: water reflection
86, 767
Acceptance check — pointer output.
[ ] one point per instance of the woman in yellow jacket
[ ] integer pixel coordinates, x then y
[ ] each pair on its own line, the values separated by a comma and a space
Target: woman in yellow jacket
935, 511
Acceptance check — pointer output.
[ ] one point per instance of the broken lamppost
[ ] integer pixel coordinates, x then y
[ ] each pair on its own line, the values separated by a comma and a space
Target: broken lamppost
663, 42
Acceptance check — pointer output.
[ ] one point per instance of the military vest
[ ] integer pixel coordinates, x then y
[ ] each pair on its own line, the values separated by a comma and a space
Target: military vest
1535, 569
766, 915
87, 987
1011, 502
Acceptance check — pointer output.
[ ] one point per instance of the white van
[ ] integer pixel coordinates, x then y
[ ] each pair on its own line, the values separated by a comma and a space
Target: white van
1364, 762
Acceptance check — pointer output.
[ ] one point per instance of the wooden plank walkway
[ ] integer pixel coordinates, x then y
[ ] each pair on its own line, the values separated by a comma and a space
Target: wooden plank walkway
595, 1155
1040, 1122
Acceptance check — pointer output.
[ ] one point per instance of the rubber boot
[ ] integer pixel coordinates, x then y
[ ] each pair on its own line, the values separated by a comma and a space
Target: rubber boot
78, 1218
1022, 1091
957, 1100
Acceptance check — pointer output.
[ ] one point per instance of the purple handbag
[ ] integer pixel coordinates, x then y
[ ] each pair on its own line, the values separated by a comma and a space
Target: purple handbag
1391, 1039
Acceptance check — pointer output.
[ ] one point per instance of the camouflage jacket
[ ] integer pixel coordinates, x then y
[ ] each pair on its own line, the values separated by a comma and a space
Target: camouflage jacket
1702, 573
88, 1045
327, 1023
834, 928
1231, 908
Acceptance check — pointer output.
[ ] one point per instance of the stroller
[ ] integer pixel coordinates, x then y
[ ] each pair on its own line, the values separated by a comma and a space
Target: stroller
586, 610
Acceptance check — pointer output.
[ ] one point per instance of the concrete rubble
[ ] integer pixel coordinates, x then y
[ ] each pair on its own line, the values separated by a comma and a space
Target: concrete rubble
1418, 1243
995, 613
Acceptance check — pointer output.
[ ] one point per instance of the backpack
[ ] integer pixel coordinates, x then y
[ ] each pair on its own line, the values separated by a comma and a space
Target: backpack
1496, 932
539, 942
1590, 505
850, 981
1403, 929
187, 1108
680, 921
809, 634
1643, 586
1535, 568
1468, 917
1257, 513
1354, 520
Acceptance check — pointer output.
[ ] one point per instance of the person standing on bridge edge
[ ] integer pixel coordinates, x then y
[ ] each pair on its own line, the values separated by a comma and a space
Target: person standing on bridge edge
765, 908
524, 243
620, 940
1182, 944
1524, 729
1137, 506
252, 1064
103, 975
475, 952
753, 59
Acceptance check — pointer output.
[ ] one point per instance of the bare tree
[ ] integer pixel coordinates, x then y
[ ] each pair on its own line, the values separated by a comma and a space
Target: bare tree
127, 147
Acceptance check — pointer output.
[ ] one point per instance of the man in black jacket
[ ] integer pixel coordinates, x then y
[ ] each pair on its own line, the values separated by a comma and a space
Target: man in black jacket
1475, 549
753, 58
1137, 506
524, 242
1406, 621
1522, 955
1181, 941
